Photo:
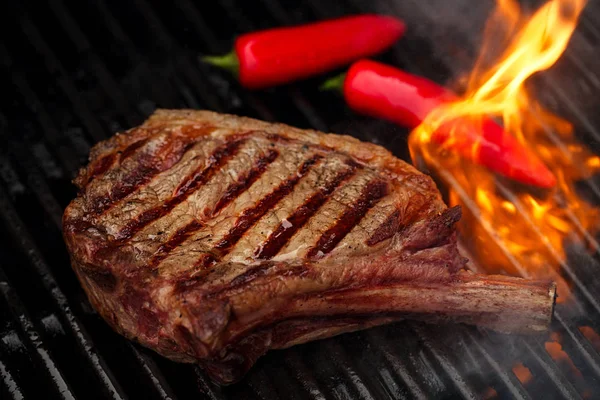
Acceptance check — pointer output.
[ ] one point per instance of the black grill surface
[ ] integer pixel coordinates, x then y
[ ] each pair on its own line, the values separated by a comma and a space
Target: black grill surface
74, 72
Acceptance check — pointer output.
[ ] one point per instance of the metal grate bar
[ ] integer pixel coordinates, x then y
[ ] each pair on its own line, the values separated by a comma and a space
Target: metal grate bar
582, 286
65, 154
11, 386
35, 180
34, 338
301, 103
157, 378
580, 342
55, 69
451, 61
559, 381
197, 85
262, 385
572, 63
147, 365
303, 374
223, 88
271, 380
448, 366
113, 26
93, 63
514, 386
400, 371
40, 187
318, 123
441, 358
207, 388
361, 382
190, 71
16, 227
287, 20
458, 64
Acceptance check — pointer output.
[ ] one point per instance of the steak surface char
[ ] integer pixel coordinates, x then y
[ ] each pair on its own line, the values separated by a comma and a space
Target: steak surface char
212, 238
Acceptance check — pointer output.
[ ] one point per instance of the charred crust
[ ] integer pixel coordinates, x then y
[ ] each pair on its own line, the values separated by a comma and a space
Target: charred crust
252, 273
167, 344
258, 273
190, 184
237, 188
178, 237
129, 150
386, 230
102, 278
195, 318
296, 221
98, 168
370, 195
249, 217
436, 231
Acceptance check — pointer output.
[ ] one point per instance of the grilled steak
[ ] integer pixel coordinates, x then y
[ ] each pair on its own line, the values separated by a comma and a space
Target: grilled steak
212, 238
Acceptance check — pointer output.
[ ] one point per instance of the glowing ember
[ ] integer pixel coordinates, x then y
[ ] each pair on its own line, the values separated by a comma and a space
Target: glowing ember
490, 393
591, 335
522, 373
520, 231
555, 350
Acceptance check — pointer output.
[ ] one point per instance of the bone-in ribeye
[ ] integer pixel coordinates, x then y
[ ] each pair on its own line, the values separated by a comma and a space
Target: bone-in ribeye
212, 238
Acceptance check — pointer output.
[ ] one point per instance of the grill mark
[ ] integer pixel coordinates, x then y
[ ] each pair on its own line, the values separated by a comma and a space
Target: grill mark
205, 261
100, 167
107, 161
268, 269
129, 150
149, 165
251, 216
371, 194
192, 182
179, 237
237, 188
386, 230
251, 274
283, 233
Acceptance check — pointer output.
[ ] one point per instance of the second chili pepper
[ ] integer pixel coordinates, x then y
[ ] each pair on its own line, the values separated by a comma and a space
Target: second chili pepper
382, 91
281, 55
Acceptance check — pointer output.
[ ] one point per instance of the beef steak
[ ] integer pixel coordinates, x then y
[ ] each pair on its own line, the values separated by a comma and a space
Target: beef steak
212, 238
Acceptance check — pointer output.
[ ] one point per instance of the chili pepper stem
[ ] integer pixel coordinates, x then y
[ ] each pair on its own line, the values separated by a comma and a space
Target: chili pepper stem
336, 83
229, 62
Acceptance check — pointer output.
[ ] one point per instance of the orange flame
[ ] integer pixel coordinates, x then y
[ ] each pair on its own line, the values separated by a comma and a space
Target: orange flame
520, 231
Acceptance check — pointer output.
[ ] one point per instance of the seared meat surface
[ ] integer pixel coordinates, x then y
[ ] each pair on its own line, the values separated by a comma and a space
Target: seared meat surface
212, 238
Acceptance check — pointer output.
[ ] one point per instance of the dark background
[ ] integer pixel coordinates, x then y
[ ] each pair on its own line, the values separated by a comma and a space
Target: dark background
75, 72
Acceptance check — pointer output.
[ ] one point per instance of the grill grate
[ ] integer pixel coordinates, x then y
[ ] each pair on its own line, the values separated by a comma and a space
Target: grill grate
75, 72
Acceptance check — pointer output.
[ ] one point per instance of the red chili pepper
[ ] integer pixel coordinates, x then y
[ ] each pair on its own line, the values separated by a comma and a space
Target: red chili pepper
275, 56
382, 91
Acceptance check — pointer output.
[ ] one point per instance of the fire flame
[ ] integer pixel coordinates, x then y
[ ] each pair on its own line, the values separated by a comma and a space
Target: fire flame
514, 228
